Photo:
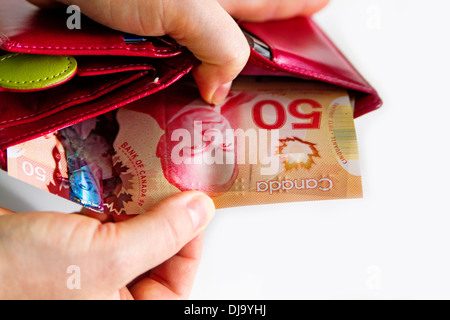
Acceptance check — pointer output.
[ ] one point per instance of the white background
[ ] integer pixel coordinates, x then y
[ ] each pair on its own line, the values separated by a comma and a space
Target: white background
394, 243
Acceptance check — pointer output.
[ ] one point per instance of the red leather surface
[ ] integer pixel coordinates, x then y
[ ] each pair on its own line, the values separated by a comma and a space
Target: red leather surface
101, 65
34, 106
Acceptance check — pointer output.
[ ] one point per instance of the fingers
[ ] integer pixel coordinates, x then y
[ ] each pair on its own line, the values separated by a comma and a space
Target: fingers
262, 10
174, 278
44, 3
4, 211
145, 241
204, 27
210, 33
96, 215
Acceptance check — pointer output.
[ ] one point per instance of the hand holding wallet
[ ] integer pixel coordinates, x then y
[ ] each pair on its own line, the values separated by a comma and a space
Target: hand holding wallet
111, 73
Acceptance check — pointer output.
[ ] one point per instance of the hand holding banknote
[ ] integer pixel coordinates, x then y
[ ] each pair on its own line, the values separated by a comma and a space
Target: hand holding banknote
46, 255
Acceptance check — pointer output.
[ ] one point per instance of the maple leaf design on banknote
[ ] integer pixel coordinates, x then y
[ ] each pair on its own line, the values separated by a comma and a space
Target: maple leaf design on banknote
296, 153
115, 203
119, 167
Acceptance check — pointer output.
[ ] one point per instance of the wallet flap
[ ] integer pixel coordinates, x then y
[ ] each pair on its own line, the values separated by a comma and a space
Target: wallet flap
101, 65
300, 48
25, 28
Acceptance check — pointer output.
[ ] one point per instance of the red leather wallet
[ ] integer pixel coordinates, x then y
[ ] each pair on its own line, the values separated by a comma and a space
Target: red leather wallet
112, 73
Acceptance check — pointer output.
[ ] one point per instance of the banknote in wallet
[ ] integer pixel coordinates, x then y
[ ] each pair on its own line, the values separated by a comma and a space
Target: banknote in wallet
273, 140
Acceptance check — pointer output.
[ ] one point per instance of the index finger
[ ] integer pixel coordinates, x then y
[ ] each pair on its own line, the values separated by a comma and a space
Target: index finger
213, 36
262, 10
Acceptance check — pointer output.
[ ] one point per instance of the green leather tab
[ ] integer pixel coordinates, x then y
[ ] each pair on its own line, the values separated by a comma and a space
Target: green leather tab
29, 72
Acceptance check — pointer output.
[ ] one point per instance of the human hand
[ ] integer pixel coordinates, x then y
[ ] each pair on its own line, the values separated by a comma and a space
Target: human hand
161, 249
205, 27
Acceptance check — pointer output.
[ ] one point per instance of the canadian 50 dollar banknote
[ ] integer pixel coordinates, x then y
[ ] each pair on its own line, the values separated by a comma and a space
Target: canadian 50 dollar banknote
271, 141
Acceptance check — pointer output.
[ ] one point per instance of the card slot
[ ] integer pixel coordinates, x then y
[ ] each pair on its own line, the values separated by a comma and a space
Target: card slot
168, 70
94, 66
34, 106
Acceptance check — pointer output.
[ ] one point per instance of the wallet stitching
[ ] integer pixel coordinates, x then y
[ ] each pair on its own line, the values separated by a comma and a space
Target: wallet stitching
90, 111
64, 102
37, 80
12, 44
120, 67
289, 68
302, 71
4, 37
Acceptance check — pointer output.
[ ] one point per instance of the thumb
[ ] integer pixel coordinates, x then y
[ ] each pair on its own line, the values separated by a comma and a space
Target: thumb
145, 241
212, 35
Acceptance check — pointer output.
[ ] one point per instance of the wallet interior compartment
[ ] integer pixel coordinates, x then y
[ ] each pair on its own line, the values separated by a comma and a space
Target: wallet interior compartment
19, 108
102, 65
39, 113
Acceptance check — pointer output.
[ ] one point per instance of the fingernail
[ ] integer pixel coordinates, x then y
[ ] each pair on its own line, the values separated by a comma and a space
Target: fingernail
221, 93
201, 209
4, 211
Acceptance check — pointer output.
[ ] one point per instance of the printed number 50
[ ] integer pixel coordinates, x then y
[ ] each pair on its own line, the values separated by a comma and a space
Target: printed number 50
30, 170
313, 118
